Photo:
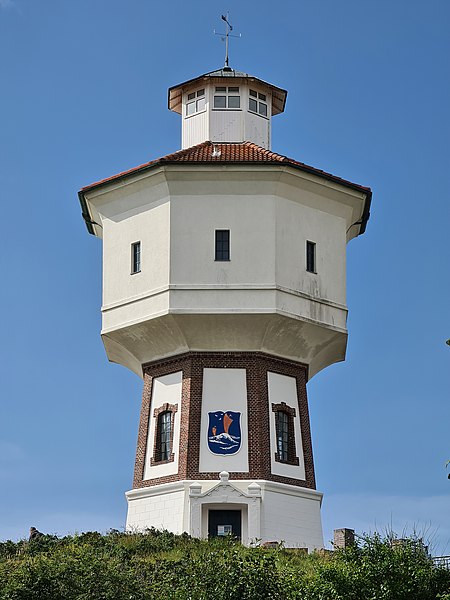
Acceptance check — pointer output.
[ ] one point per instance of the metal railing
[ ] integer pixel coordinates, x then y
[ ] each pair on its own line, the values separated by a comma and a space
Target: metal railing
442, 561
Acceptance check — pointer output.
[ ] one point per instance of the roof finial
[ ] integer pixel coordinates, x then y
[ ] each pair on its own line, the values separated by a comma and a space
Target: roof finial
225, 39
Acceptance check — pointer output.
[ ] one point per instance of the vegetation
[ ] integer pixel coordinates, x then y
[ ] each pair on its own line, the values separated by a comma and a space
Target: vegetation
160, 565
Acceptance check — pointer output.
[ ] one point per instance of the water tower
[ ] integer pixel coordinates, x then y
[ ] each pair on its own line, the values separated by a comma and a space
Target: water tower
224, 269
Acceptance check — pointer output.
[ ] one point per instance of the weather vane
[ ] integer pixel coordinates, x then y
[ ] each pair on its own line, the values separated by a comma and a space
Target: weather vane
225, 37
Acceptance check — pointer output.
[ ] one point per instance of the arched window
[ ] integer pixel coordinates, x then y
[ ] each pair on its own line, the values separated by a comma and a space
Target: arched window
285, 434
163, 440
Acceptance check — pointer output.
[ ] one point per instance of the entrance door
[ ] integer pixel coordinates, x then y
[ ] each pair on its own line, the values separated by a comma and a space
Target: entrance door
224, 522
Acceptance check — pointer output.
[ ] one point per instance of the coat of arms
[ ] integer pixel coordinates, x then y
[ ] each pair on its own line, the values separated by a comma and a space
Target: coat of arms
224, 432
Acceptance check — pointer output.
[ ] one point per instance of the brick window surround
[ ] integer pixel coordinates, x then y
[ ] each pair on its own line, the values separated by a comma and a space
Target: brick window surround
283, 408
257, 365
156, 458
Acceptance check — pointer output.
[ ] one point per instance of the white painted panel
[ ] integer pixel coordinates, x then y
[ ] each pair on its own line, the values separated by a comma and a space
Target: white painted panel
284, 389
224, 390
163, 511
227, 126
292, 519
257, 129
195, 129
166, 389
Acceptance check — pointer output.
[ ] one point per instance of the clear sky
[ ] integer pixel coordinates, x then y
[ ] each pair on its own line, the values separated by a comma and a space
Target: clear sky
84, 96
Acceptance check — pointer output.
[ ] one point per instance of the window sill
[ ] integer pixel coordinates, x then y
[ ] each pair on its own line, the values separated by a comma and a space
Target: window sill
293, 462
195, 114
258, 115
156, 463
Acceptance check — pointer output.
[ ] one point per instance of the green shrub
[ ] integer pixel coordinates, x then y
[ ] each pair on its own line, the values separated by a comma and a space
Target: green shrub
160, 565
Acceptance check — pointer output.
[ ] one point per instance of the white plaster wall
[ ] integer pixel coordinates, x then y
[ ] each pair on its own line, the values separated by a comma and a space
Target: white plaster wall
297, 223
166, 389
291, 518
284, 389
224, 389
251, 221
148, 222
162, 511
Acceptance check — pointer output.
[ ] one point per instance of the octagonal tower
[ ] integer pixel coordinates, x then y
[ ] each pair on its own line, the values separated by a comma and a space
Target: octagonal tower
224, 288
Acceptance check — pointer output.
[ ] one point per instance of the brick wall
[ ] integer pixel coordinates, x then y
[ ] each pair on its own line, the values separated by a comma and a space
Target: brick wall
256, 365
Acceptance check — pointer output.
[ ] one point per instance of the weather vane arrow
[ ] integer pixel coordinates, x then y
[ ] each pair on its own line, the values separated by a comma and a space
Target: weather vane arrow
225, 37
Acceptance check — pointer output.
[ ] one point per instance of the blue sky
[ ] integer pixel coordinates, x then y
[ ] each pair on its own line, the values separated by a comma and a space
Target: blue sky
83, 96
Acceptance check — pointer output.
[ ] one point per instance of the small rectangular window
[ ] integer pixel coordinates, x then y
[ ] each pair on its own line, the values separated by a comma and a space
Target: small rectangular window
222, 244
263, 109
253, 105
233, 90
136, 257
234, 102
201, 92
311, 257
253, 93
220, 101
191, 96
221, 89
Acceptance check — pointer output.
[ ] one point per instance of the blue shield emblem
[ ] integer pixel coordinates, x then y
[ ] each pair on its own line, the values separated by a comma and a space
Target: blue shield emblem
224, 432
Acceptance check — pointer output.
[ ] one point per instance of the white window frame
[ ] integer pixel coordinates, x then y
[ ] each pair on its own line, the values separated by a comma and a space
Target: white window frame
136, 257
227, 92
195, 99
260, 100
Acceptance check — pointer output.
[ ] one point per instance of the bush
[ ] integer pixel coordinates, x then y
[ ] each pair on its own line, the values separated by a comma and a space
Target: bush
160, 565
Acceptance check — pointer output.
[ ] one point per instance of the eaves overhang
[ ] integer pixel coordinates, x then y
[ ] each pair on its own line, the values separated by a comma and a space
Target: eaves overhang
175, 93
226, 154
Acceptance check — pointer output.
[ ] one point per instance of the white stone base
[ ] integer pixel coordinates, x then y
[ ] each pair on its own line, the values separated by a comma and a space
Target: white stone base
270, 511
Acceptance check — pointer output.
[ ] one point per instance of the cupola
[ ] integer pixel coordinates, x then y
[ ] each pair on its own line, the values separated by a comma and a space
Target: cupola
226, 106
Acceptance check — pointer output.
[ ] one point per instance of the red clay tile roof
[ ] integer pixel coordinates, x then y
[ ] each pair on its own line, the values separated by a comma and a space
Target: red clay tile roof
228, 153
231, 153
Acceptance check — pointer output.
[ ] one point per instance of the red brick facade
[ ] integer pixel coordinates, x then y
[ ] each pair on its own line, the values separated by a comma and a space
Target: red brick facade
257, 365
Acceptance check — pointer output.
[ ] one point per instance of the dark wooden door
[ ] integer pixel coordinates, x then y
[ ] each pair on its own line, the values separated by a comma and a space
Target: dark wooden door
224, 522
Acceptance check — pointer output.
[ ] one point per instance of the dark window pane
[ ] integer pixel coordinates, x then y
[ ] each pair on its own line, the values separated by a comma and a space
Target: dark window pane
311, 257
252, 105
233, 89
164, 430
253, 93
282, 423
201, 92
191, 96
220, 101
222, 251
234, 101
263, 109
221, 89
136, 257
262, 96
